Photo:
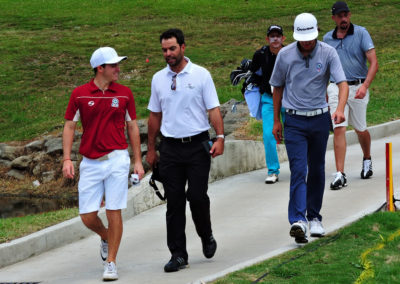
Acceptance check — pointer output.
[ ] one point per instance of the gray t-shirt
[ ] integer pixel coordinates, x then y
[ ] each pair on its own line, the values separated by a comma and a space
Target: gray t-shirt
305, 79
351, 50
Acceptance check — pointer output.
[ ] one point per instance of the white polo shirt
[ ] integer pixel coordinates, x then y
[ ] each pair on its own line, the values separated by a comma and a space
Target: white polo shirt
184, 110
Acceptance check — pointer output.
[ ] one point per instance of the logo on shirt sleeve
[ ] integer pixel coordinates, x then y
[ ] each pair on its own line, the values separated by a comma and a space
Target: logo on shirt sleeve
115, 102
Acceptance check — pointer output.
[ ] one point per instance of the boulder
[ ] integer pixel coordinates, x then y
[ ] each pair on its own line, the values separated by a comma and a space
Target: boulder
21, 163
54, 146
48, 176
34, 146
234, 118
16, 174
40, 159
5, 163
10, 152
143, 130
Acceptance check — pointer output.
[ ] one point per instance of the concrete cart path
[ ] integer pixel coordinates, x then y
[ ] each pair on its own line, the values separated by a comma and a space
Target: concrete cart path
249, 222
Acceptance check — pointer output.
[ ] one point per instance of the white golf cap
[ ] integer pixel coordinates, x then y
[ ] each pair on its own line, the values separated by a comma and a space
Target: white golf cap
105, 55
305, 27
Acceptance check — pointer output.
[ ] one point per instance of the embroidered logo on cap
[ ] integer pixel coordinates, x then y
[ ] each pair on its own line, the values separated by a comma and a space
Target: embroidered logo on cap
115, 102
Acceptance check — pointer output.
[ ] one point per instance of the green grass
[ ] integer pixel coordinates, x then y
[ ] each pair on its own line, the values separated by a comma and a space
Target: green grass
46, 46
12, 228
367, 250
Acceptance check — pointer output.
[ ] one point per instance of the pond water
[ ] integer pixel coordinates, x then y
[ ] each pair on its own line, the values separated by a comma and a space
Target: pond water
22, 206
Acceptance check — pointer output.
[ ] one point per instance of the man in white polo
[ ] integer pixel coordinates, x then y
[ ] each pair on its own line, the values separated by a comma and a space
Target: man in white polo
105, 108
300, 77
181, 96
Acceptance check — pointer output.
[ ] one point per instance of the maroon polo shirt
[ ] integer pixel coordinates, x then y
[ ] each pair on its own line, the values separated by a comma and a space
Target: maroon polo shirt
103, 116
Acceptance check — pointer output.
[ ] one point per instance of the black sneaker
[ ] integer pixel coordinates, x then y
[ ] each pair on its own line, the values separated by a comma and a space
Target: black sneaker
366, 170
209, 247
339, 181
175, 264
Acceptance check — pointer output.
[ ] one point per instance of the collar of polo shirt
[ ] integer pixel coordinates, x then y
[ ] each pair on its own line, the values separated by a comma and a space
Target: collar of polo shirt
187, 69
311, 55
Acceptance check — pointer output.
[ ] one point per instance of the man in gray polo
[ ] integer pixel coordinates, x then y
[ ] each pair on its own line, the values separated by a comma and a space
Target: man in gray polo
300, 78
354, 46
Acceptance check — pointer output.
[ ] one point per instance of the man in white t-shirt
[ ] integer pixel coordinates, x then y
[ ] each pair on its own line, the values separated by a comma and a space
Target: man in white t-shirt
181, 96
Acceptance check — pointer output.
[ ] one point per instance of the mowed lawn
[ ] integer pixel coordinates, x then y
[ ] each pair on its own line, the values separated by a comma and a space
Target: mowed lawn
45, 47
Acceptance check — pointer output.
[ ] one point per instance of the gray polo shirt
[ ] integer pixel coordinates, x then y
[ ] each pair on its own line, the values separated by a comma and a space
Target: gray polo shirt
351, 50
305, 79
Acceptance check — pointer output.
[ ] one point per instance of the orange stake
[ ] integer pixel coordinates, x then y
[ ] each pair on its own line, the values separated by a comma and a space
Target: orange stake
389, 179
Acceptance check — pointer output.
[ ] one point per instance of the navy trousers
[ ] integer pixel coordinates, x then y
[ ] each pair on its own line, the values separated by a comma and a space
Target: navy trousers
182, 163
306, 139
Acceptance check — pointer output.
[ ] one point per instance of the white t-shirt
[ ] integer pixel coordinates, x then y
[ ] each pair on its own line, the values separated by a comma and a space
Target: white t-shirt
184, 110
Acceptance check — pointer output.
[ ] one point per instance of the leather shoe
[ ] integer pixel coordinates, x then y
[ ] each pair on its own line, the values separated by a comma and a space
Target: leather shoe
209, 246
175, 264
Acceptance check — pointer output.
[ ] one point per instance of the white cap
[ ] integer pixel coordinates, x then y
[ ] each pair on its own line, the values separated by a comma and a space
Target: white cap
305, 27
105, 55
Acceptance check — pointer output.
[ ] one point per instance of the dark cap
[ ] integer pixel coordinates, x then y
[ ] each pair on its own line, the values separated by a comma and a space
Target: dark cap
275, 28
338, 7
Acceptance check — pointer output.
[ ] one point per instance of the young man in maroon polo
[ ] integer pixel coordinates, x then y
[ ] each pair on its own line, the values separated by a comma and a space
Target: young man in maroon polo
104, 108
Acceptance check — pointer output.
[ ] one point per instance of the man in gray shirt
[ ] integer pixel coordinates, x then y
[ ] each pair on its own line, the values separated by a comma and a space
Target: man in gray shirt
300, 78
354, 46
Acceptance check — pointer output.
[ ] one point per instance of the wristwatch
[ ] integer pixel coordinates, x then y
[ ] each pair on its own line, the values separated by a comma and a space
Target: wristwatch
220, 136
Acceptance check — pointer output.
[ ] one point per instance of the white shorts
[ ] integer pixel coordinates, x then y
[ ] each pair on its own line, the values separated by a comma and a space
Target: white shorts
355, 110
99, 178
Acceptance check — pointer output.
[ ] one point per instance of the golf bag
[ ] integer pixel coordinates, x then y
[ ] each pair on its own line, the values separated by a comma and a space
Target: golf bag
250, 89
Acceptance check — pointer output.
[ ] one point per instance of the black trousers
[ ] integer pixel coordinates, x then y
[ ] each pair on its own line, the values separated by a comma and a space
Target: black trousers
182, 163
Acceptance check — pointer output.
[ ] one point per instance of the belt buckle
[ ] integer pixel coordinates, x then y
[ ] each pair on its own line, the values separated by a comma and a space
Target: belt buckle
186, 139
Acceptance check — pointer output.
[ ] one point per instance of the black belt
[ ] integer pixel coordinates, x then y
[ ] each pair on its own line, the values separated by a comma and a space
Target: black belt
355, 82
198, 137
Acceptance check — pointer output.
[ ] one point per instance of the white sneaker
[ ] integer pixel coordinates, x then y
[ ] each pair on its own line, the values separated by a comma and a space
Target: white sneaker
272, 178
298, 230
339, 181
110, 271
316, 229
103, 250
366, 170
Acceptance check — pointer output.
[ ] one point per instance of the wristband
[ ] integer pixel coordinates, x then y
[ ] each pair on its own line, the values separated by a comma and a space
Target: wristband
220, 136
66, 160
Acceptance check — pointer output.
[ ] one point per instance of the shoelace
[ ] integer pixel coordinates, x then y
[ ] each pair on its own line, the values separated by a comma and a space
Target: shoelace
110, 267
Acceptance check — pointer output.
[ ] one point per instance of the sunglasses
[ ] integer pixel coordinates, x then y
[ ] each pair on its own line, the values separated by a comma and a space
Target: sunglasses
173, 84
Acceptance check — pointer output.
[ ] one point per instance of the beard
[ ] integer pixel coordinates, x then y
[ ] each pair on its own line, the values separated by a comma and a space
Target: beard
343, 25
175, 60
